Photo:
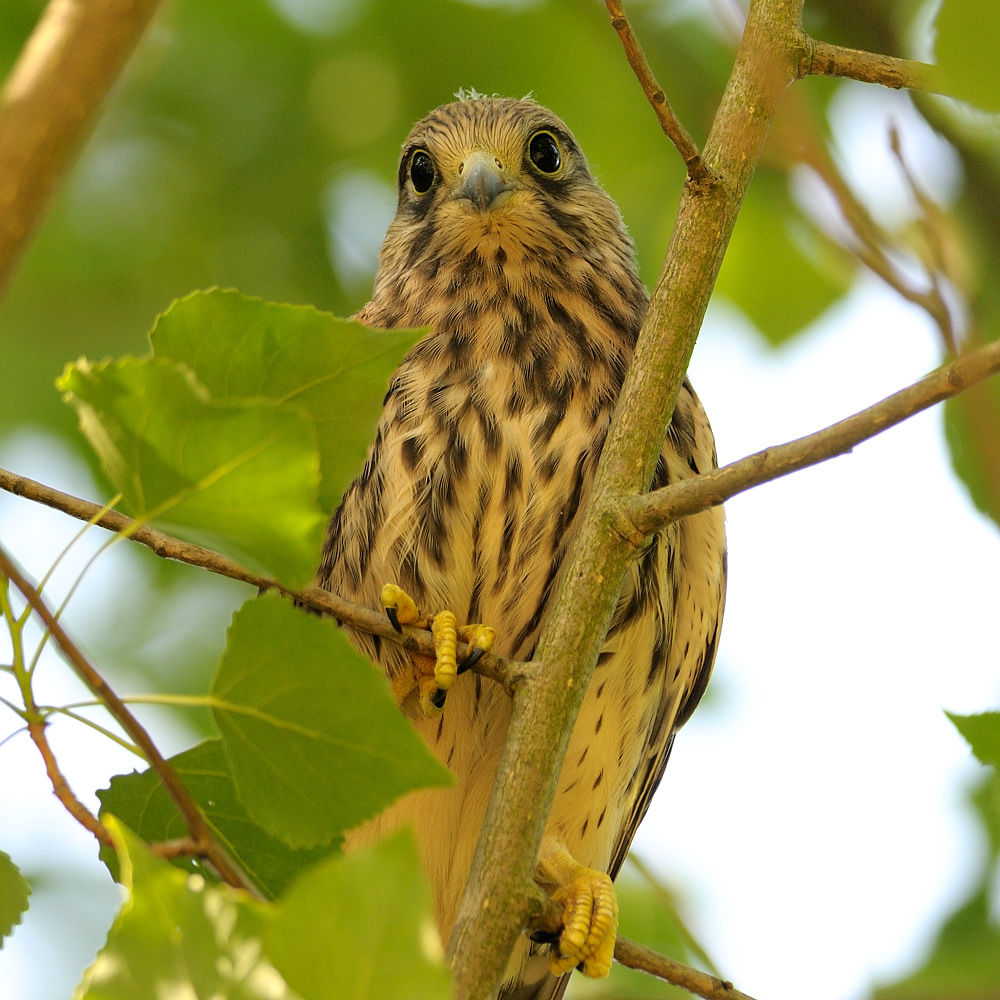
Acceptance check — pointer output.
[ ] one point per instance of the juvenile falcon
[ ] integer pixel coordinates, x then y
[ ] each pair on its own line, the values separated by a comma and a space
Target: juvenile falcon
504, 245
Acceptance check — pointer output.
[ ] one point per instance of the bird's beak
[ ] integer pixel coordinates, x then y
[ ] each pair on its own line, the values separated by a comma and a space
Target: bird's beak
482, 181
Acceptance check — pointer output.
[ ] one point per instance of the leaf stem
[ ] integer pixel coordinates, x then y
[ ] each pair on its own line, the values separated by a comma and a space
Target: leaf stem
669, 121
196, 824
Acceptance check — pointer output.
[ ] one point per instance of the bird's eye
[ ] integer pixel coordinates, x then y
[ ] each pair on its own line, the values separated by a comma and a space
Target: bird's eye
544, 152
421, 171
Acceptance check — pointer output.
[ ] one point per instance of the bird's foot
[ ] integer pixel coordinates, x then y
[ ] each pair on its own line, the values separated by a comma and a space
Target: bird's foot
435, 677
590, 915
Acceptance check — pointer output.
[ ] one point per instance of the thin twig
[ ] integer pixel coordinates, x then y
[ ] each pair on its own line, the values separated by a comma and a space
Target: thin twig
637, 517
666, 898
61, 789
823, 59
669, 122
637, 956
200, 832
701, 984
930, 221
503, 671
796, 138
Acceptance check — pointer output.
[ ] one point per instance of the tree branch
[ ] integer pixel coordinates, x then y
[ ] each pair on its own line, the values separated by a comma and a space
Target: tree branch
637, 516
701, 984
506, 672
669, 122
637, 956
61, 789
200, 832
49, 102
497, 903
823, 59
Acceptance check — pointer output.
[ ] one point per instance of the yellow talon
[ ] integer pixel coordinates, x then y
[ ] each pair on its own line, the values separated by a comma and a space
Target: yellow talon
478, 636
399, 606
445, 632
590, 916
433, 684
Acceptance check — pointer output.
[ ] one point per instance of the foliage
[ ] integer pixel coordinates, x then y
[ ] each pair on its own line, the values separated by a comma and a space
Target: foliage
312, 736
14, 893
180, 934
142, 803
234, 153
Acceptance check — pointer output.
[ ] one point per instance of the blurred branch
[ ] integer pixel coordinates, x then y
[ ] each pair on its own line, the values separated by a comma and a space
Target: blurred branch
701, 984
636, 517
796, 138
505, 672
49, 103
61, 789
667, 900
823, 59
669, 122
201, 834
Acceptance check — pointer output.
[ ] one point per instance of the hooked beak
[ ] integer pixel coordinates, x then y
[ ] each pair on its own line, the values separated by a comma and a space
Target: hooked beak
482, 181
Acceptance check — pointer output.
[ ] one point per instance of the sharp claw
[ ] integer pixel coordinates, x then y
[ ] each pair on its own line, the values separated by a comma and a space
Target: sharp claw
437, 699
393, 616
475, 655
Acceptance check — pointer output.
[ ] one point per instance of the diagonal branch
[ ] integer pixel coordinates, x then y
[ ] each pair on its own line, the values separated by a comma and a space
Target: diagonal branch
61, 789
505, 672
669, 122
49, 102
498, 901
638, 516
201, 834
701, 984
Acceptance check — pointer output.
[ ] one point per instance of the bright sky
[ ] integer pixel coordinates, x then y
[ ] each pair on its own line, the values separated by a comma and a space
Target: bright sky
811, 812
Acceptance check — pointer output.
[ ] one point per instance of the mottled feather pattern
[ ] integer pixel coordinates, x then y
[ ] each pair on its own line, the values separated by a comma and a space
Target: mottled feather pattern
483, 459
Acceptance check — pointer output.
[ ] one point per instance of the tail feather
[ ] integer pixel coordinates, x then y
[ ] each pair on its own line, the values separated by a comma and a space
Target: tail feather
535, 982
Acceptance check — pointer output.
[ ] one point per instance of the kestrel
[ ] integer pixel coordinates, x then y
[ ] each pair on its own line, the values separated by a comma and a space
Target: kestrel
519, 263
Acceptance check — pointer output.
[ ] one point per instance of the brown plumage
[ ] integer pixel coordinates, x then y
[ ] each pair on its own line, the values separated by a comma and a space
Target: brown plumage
483, 459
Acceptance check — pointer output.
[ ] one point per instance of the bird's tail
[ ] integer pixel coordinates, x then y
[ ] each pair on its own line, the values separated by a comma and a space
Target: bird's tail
536, 982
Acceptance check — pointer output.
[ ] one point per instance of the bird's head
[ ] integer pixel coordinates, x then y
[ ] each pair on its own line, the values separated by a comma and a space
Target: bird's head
485, 174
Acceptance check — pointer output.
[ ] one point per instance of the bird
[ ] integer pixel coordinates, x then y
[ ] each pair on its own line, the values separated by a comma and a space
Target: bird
519, 264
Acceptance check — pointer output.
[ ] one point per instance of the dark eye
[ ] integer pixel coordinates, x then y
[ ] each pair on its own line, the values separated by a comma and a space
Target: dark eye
544, 152
421, 171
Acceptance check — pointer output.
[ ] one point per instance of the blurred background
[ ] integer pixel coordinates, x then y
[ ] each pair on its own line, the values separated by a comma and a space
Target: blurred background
821, 826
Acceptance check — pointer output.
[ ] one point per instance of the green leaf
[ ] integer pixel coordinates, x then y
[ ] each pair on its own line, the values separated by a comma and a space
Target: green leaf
967, 31
14, 893
965, 961
334, 370
781, 272
982, 733
361, 927
971, 422
314, 740
140, 801
985, 799
241, 477
177, 936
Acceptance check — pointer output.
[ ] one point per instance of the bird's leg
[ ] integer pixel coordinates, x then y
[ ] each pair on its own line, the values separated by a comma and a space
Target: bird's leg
435, 677
590, 914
